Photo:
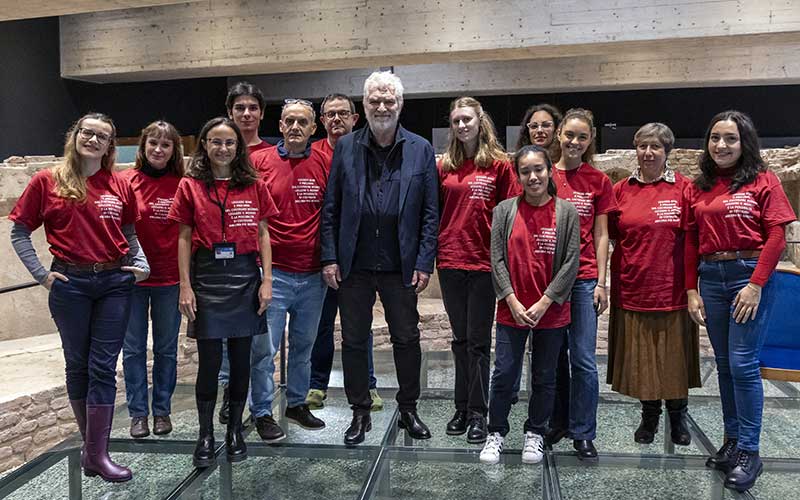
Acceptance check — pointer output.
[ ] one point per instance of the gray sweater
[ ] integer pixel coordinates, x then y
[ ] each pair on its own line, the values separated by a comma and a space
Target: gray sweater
567, 254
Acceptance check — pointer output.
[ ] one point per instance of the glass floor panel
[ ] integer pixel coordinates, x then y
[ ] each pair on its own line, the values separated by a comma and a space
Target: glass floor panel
316, 464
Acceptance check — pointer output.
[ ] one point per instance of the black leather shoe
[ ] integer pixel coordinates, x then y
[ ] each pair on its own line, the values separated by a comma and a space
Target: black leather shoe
268, 429
458, 424
477, 430
679, 432
359, 427
553, 436
225, 409
235, 446
303, 417
724, 458
585, 449
746, 470
414, 426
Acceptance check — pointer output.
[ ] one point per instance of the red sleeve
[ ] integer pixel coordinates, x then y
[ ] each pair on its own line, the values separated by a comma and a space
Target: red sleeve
266, 204
508, 185
130, 214
770, 255
775, 206
605, 200
613, 217
28, 210
182, 208
691, 247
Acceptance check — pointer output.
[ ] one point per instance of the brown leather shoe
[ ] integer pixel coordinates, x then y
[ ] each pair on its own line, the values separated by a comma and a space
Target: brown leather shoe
139, 428
162, 425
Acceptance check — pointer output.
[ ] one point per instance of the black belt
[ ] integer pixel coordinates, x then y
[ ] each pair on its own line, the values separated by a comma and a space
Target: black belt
62, 266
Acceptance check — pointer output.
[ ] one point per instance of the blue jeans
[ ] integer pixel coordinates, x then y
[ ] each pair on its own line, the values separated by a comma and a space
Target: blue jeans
737, 347
91, 312
300, 295
322, 354
509, 354
162, 303
578, 389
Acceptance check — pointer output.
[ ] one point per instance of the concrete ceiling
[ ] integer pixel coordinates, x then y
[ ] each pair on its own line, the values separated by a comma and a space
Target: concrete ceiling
12, 10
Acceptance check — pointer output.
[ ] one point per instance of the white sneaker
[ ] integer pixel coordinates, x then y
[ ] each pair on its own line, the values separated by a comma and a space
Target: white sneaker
490, 454
532, 450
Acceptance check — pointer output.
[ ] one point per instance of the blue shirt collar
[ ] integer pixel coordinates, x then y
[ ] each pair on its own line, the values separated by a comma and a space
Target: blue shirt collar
283, 153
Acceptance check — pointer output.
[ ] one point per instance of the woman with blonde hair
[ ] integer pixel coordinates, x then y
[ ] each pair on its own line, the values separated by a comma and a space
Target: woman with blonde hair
474, 176
88, 212
154, 179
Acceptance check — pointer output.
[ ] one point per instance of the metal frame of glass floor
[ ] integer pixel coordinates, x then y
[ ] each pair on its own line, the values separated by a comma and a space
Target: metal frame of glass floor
310, 465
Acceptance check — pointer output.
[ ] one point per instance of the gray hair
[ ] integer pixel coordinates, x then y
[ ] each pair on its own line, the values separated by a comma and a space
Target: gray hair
384, 79
657, 131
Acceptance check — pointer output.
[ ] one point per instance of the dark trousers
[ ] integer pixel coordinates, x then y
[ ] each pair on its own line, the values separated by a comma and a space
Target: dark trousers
209, 354
469, 300
509, 354
91, 312
356, 298
322, 353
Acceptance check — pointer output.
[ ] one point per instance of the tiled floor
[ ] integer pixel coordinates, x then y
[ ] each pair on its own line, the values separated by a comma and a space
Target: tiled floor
316, 465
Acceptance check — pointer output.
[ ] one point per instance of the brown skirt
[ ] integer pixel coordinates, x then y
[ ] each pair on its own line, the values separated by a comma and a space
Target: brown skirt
653, 355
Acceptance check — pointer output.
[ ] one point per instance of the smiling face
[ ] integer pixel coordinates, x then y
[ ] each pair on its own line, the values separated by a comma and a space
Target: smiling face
93, 138
541, 128
382, 109
158, 150
534, 176
297, 125
246, 113
575, 137
220, 144
465, 124
724, 144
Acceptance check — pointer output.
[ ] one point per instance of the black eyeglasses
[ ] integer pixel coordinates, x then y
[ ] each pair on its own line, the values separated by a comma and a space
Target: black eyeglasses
342, 113
87, 133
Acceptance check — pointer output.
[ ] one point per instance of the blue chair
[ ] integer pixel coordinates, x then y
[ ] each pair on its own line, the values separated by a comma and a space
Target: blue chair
780, 356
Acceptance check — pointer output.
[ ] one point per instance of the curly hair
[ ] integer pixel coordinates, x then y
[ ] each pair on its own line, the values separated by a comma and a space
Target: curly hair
554, 148
242, 172
489, 149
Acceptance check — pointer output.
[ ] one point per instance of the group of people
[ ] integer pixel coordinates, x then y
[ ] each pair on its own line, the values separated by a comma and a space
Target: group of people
247, 234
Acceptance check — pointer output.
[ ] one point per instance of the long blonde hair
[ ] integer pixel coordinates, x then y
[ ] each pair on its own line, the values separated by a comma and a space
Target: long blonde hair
489, 149
69, 182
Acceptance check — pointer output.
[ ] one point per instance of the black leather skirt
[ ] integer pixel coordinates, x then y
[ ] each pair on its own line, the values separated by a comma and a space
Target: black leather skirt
227, 297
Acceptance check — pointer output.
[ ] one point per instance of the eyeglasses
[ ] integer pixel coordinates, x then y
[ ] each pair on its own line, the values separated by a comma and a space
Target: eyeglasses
87, 134
219, 143
303, 102
534, 125
342, 113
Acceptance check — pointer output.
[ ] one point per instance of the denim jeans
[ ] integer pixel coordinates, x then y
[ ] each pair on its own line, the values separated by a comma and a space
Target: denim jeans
577, 386
91, 312
737, 347
509, 354
322, 354
300, 295
162, 304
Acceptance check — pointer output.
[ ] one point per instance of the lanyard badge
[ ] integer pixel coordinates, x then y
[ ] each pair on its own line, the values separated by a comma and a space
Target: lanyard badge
224, 250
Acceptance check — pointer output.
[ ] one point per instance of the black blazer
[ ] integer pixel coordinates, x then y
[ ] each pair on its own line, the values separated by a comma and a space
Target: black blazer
418, 223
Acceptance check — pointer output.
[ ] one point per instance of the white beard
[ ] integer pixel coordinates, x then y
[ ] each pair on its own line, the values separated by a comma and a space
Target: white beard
381, 126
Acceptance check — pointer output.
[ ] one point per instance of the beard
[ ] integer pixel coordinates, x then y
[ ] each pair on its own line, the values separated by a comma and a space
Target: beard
382, 124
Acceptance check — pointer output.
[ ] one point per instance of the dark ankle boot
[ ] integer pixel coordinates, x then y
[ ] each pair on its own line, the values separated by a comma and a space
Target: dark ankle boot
679, 432
95, 460
234, 442
651, 414
725, 457
204, 451
746, 470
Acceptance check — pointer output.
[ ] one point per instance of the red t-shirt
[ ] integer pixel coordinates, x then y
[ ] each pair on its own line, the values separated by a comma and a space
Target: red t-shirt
258, 147
323, 147
298, 187
80, 232
531, 249
590, 191
196, 205
468, 196
737, 221
158, 235
647, 262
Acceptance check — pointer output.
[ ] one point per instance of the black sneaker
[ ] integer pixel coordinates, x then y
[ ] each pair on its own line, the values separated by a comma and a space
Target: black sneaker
303, 417
268, 429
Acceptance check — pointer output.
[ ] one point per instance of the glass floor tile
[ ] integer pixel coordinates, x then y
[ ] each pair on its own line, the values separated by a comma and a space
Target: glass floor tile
316, 464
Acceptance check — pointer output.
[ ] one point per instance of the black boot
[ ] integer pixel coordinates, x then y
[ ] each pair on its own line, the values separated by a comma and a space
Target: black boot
478, 429
458, 424
724, 458
204, 451
234, 442
651, 414
225, 409
679, 432
746, 470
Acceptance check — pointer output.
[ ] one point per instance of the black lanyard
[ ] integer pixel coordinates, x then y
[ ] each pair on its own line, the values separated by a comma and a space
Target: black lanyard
221, 205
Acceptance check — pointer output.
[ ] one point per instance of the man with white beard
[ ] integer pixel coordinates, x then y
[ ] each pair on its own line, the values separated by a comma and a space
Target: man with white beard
379, 232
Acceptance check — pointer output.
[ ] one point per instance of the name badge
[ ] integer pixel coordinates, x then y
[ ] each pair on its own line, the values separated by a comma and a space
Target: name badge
224, 251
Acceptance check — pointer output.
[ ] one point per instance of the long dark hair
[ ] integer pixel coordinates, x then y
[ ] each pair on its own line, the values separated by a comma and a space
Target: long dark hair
242, 172
531, 149
750, 162
524, 134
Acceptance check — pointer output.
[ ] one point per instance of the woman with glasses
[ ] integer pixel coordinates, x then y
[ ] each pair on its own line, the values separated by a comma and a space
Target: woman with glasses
737, 211
154, 179
88, 212
222, 209
474, 176
539, 125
